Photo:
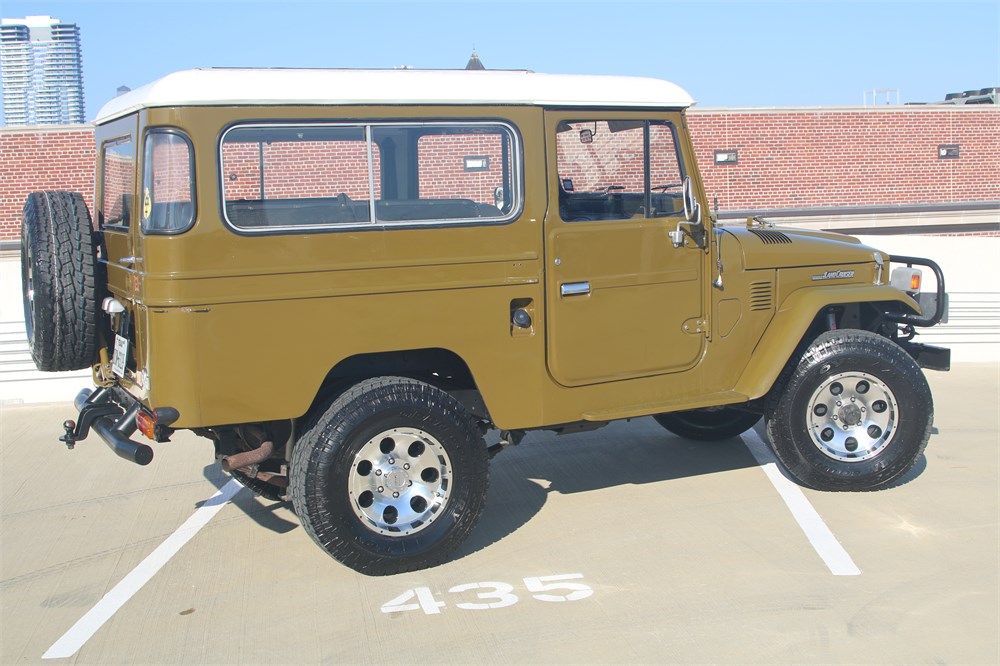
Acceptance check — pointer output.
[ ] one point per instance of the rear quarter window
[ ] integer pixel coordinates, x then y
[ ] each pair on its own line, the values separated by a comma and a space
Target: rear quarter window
118, 181
168, 183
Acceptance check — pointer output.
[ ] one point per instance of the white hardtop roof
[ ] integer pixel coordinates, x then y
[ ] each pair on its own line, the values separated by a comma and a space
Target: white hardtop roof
225, 87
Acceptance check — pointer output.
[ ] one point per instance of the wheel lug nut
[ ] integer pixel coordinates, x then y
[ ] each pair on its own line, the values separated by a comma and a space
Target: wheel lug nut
395, 494
839, 403
381, 489
391, 461
406, 465
409, 483
378, 472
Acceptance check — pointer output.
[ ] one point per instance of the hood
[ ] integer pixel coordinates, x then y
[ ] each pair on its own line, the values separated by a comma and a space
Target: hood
775, 247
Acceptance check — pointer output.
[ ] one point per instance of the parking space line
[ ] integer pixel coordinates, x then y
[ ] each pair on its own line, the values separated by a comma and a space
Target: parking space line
95, 618
819, 535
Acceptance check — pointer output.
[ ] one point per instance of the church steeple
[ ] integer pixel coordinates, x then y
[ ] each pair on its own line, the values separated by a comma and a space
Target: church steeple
475, 62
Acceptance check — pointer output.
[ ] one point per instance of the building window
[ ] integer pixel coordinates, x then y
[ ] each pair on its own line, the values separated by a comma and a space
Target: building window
727, 156
949, 151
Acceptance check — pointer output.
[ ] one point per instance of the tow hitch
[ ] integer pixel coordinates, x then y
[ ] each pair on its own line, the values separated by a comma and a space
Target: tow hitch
103, 411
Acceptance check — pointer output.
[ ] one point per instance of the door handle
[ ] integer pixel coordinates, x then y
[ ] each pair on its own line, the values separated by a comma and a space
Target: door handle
574, 289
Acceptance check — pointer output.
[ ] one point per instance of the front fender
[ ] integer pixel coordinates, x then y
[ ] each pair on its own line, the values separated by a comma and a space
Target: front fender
792, 320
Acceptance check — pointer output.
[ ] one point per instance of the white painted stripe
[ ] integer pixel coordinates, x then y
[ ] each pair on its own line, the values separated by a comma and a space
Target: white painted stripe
95, 618
819, 535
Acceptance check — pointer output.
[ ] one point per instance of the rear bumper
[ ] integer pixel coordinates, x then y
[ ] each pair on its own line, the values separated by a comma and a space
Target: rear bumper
111, 413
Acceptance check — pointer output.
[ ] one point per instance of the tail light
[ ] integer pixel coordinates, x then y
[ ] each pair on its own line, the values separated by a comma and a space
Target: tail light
156, 425
147, 424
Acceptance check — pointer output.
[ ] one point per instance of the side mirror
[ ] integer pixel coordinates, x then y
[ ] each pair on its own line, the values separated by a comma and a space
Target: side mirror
692, 215
498, 197
687, 196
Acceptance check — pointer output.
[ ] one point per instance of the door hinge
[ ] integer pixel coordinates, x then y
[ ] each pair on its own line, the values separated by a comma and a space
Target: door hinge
696, 326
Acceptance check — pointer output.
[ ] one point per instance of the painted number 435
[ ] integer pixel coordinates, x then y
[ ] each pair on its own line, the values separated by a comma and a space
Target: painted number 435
492, 594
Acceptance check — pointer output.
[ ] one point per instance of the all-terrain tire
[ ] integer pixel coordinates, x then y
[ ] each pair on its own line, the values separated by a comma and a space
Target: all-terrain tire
60, 279
708, 425
854, 414
391, 477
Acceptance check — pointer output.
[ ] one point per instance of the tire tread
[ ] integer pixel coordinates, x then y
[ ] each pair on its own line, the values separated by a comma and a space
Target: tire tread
57, 229
330, 429
816, 470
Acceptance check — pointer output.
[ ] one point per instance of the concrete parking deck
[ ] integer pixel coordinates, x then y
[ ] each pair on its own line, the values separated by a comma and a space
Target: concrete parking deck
622, 545
659, 550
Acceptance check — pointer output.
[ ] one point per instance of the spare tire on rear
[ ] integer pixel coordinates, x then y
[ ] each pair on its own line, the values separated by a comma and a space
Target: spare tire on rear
60, 281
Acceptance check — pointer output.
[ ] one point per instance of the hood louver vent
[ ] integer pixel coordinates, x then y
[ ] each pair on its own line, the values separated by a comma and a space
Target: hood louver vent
761, 296
770, 237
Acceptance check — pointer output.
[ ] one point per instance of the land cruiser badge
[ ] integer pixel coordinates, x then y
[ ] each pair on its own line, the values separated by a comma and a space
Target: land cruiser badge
833, 275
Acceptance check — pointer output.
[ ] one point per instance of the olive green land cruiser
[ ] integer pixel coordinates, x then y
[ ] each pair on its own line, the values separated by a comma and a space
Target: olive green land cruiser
345, 279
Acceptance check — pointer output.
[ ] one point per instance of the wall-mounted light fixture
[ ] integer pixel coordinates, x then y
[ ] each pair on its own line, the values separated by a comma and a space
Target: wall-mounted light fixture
727, 157
477, 162
948, 151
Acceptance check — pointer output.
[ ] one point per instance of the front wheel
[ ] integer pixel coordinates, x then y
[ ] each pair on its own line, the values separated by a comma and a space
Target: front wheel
855, 414
391, 477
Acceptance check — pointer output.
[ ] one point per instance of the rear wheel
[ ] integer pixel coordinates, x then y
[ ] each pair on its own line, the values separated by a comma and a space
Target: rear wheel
60, 281
855, 414
391, 477
708, 424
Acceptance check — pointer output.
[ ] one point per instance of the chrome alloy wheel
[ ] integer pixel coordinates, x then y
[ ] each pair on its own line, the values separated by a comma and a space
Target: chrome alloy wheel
852, 416
400, 481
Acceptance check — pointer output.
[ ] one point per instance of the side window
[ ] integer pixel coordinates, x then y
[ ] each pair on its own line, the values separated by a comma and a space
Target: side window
167, 183
276, 177
118, 178
464, 172
617, 170
666, 178
299, 177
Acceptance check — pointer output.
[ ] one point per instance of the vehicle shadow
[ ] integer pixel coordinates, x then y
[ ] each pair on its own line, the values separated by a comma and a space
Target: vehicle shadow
522, 477
260, 510
637, 452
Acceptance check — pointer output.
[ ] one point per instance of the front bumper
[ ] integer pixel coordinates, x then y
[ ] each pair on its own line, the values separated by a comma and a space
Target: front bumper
928, 357
939, 300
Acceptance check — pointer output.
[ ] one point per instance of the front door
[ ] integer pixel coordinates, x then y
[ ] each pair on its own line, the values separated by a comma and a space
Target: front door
623, 302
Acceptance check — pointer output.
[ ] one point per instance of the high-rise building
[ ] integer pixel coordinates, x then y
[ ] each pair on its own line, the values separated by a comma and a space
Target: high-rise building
42, 71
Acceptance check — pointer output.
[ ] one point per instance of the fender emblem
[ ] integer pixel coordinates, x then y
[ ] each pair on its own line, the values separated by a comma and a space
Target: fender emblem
834, 275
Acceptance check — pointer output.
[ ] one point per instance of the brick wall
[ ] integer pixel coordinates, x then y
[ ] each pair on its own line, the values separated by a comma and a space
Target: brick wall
806, 158
32, 159
442, 171
788, 158
297, 170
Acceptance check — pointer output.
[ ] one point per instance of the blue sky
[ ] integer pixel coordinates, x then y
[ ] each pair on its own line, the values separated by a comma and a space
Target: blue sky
724, 53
